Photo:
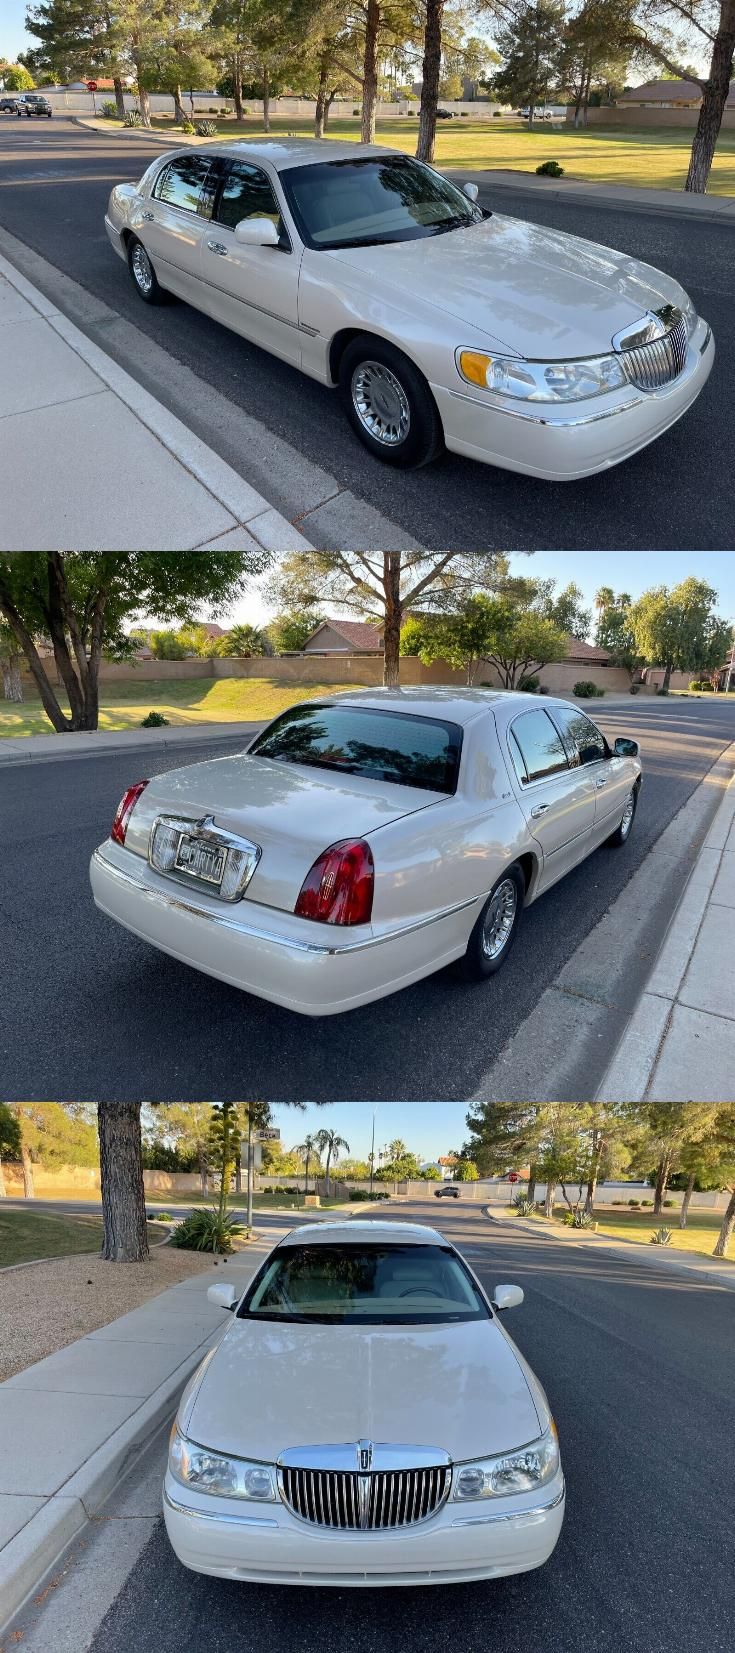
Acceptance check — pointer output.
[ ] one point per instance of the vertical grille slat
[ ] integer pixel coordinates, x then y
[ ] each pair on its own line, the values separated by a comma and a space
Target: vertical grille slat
659, 362
397, 1498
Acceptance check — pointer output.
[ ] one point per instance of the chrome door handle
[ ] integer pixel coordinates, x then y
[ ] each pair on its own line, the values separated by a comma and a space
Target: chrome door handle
601, 781
148, 216
539, 809
217, 247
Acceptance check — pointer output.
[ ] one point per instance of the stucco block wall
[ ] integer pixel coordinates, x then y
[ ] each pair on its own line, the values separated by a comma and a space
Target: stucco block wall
623, 114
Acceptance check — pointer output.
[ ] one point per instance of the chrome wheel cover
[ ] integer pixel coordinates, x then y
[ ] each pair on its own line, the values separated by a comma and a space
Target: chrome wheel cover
499, 919
381, 404
142, 269
628, 813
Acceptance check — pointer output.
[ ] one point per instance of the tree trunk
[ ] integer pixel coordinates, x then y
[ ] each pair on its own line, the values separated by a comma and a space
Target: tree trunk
531, 1189
714, 99
237, 88
180, 114
326, 1169
684, 1213
589, 1203
321, 98
27, 1162
370, 73
144, 102
393, 616
119, 96
125, 1239
12, 685
662, 1182
549, 1200
430, 82
328, 108
238, 1175
266, 103
531, 112
725, 1234
667, 676
203, 1172
2, 1182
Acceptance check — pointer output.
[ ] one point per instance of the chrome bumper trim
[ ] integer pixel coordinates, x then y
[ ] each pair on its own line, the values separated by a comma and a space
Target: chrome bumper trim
163, 899
208, 1515
541, 419
517, 1515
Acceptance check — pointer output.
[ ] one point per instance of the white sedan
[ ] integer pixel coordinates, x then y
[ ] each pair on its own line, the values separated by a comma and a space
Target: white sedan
365, 840
441, 323
365, 1420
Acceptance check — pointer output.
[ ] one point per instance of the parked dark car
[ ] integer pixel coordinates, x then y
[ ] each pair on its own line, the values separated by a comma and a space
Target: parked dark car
8, 104
32, 103
449, 1188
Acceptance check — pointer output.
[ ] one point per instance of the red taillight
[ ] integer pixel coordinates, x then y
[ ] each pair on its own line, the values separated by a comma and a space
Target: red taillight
339, 887
124, 811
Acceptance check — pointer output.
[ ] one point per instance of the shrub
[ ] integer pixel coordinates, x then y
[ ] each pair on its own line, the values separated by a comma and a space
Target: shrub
465, 114
188, 127
662, 691
550, 169
359, 1194
635, 688
524, 1207
634, 1205
497, 114
206, 129
669, 1203
109, 110
207, 1231
700, 683
528, 685
154, 720
357, 111
646, 1202
132, 117
213, 110
578, 1219
585, 689
159, 1216
662, 1236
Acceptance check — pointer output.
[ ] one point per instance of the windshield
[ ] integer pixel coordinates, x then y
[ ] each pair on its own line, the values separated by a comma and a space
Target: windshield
374, 199
362, 740
373, 1285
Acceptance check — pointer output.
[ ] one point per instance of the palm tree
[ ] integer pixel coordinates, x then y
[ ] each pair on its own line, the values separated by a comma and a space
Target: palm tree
332, 1142
396, 1150
308, 1149
246, 641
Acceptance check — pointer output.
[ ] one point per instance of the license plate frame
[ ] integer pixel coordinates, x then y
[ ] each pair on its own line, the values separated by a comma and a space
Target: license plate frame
198, 859
202, 856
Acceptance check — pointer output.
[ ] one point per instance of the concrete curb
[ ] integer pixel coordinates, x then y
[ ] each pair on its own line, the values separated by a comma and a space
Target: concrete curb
84, 744
38, 1547
672, 1263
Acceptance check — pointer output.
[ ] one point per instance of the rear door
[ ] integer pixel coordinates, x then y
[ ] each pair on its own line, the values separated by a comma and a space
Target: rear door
557, 799
254, 290
172, 221
589, 749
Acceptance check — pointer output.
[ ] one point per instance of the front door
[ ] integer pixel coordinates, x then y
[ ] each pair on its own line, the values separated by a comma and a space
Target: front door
251, 289
173, 220
557, 800
588, 747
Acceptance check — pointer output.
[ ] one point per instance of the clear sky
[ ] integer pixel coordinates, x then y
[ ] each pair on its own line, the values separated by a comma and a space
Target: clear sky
427, 1128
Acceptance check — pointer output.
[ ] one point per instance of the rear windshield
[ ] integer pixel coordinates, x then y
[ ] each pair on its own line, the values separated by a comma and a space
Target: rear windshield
373, 1285
361, 740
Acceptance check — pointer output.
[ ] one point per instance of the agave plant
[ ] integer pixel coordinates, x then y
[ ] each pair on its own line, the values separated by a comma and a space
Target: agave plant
524, 1207
578, 1219
662, 1236
207, 1230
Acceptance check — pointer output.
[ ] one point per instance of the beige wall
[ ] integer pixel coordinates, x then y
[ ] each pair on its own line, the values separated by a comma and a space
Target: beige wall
621, 114
363, 669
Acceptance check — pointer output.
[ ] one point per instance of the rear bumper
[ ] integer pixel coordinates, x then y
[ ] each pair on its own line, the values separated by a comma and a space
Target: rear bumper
459, 1545
563, 444
313, 969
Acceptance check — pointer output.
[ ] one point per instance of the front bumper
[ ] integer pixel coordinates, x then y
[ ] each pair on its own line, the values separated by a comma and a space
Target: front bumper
314, 969
565, 443
462, 1543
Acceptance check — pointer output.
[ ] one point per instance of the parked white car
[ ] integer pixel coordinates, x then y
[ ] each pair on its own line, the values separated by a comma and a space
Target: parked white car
441, 324
365, 840
365, 1420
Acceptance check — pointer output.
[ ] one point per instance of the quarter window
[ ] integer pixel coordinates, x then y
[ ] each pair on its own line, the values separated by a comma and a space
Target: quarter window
246, 193
581, 734
182, 184
536, 747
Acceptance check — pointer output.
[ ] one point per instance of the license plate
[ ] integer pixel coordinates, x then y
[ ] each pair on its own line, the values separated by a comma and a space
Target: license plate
200, 860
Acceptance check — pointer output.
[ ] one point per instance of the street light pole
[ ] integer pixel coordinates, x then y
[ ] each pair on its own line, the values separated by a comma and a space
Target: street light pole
372, 1157
250, 1171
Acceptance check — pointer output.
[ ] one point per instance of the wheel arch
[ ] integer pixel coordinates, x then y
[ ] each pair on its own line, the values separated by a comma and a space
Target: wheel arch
344, 337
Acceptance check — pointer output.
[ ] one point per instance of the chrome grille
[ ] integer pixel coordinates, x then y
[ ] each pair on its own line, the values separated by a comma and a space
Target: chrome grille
659, 362
390, 1498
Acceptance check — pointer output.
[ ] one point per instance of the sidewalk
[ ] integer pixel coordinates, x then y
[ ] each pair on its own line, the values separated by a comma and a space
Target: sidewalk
73, 1424
719, 1270
679, 1045
91, 458
98, 742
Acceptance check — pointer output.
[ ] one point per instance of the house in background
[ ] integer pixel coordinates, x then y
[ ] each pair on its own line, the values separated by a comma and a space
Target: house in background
667, 94
361, 637
345, 637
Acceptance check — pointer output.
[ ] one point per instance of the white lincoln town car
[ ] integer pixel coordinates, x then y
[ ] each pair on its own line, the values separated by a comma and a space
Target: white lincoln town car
441, 323
365, 1420
365, 840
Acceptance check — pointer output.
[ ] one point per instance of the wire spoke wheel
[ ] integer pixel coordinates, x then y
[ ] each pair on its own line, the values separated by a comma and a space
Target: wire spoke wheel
499, 919
381, 404
141, 268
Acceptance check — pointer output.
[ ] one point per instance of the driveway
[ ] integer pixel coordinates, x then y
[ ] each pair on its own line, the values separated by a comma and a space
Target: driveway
55, 179
89, 1012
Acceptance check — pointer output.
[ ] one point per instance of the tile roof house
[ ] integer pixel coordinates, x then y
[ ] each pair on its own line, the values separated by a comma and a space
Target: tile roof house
345, 637
668, 94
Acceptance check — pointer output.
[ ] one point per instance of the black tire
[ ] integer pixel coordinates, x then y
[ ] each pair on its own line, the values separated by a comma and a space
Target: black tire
624, 828
139, 262
478, 963
402, 391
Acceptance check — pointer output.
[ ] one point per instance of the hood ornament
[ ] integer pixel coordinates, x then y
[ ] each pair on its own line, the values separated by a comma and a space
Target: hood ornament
364, 1456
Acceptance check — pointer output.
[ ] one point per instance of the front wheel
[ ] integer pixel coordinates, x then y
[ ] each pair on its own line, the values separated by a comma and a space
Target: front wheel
389, 404
622, 832
496, 928
143, 274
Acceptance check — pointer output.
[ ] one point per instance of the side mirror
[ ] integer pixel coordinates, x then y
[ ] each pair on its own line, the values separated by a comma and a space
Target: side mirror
471, 191
257, 232
506, 1297
625, 748
224, 1296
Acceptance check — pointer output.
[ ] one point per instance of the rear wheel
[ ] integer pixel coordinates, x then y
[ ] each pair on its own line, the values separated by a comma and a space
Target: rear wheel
143, 273
622, 832
389, 404
496, 927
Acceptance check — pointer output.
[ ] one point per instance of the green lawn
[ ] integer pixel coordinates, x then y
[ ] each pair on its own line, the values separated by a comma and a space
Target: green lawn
650, 157
183, 700
28, 1235
700, 1233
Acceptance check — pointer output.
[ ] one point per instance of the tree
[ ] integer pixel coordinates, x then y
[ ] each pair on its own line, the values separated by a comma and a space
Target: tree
504, 1135
431, 73
10, 1140
712, 24
669, 1129
677, 629
614, 630
224, 1147
725, 1130
245, 641
80, 601
462, 639
14, 77
178, 58
331, 1142
608, 1130
10, 658
595, 50
390, 583
522, 642
56, 1134
531, 43
465, 1170
289, 632
185, 1125
309, 1150
125, 1236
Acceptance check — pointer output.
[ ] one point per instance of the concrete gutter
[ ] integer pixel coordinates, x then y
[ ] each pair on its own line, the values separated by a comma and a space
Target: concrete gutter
99, 742
713, 1271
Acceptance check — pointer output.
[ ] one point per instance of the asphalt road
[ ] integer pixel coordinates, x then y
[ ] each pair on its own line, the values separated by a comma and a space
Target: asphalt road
55, 179
638, 1369
89, 1012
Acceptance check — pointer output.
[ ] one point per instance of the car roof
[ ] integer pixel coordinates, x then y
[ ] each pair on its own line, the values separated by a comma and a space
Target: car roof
350, 1233
458, 705
283, 153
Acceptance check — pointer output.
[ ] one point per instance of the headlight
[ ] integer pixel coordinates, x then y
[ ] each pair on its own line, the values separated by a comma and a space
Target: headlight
215, 1473
521, 1471
542, 381
690, 316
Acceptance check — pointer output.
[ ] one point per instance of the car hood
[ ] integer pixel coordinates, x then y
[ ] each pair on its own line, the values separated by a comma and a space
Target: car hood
272, 1385
538, 292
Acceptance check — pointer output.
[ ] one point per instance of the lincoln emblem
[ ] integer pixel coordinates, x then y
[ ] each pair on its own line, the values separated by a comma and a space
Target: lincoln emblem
364, 1456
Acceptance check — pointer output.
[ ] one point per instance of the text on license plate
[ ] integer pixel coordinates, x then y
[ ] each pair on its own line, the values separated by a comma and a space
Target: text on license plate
200, 860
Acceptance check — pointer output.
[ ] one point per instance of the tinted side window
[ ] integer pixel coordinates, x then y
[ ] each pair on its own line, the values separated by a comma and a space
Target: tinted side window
539, 746
246, 193
181, 184
578, 729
